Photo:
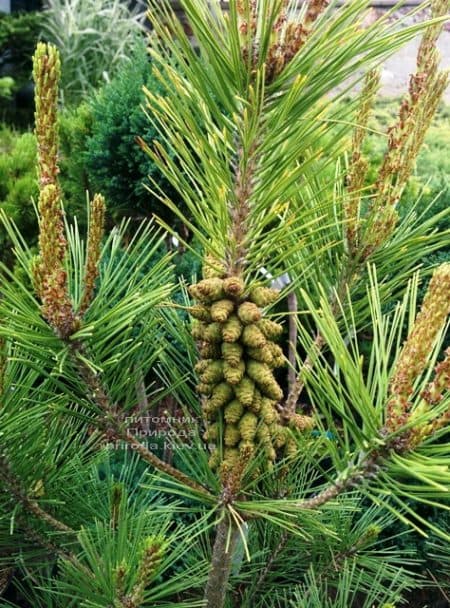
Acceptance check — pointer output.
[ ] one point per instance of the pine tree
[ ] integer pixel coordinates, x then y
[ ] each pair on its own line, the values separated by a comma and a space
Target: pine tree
303, 449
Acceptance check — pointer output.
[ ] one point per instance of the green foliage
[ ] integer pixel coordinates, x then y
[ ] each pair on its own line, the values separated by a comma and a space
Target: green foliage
346, 560
19, 33
336, 388
437, 552
18, 185
75, 127
6, 87
100, 151
94, 38
431, 550
317, 592
116, 165
76, 481
111, 547
257, 163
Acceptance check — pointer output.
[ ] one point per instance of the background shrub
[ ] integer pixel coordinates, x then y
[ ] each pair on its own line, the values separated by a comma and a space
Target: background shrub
100, 149
6, 87
94, 38
75, 127
18, 184
19, 33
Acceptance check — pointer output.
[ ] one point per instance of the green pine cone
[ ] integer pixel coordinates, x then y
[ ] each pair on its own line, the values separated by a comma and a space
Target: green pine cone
221, 310
232, 353
233, 375
244, 391
232, 329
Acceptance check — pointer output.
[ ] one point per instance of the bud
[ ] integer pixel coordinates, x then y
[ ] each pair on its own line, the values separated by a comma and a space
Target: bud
263, 354
232, 435
234, 375
358, 165
413, 358
263, 296
232, 353
95, 237
209, 350
301, 423
249, 313
198, 330
221, 395
247, 426
278, 358
270, 329
252, 336
244, 391
268, 411
233, 286
201, 313
256, 404
207, 290
232, 329
213, 268
213, 333
280, 435
149, 562
233, 411
212, 432
46, 75
221, 310
212, 373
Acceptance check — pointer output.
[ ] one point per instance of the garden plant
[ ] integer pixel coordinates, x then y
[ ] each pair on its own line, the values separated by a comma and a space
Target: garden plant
94, 37
19, 33
308, 385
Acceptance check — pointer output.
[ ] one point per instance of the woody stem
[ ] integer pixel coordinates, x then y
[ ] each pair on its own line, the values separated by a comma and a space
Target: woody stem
225, 541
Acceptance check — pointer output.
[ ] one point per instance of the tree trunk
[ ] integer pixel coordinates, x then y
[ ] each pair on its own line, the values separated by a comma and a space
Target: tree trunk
224, 544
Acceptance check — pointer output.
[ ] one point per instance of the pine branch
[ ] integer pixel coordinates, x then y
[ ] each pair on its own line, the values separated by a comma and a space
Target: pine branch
352, 477
272, 558
297, 387
427, 84
240, 210
114, 425
159, 464
50, 275
32, 506
49, 272
40, 540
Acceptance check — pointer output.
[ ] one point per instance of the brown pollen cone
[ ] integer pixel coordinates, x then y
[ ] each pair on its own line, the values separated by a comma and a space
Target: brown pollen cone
418, 346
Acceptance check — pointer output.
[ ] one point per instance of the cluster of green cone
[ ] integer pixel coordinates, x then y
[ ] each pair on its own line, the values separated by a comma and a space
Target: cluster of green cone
238, 356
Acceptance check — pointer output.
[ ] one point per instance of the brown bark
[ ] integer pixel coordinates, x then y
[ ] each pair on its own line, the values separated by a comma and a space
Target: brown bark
224, 544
